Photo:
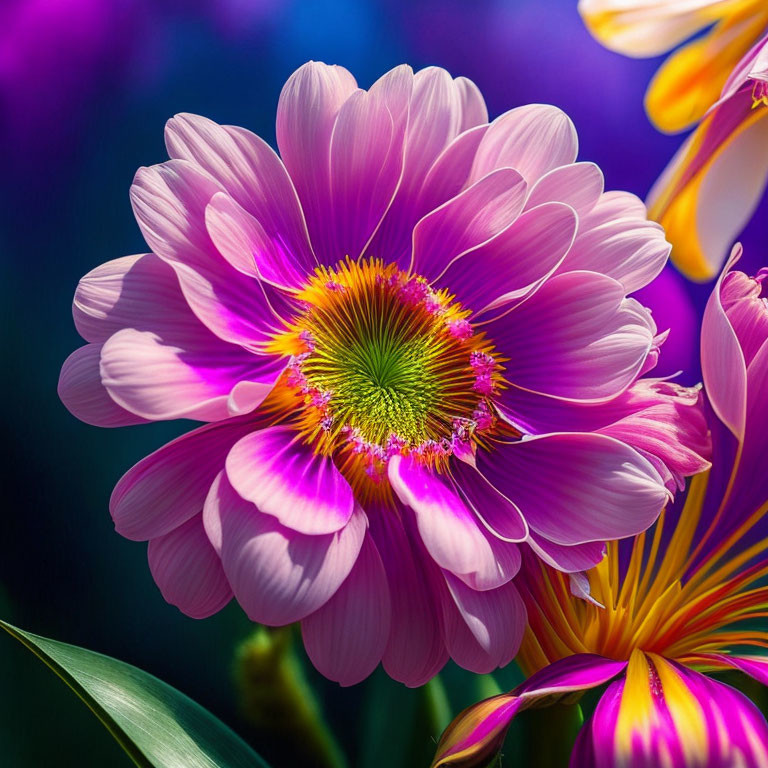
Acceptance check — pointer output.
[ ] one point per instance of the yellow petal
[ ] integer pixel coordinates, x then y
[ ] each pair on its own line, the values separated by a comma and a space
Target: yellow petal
691, 80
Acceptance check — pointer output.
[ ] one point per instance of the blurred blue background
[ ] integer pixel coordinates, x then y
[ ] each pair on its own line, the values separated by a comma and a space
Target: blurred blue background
85, 88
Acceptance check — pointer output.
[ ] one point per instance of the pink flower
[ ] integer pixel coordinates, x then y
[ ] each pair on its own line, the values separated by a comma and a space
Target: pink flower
411, 338
664, 614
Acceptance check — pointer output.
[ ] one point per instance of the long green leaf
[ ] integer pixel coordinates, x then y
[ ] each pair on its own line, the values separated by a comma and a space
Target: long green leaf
155, 724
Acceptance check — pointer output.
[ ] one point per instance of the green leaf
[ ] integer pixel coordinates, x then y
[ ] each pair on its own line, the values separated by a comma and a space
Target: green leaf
155, 724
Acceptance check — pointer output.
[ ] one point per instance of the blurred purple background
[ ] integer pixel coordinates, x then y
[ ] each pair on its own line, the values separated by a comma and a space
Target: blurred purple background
85, 88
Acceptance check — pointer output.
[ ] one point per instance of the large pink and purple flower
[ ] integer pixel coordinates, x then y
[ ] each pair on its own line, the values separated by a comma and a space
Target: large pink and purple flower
411, 339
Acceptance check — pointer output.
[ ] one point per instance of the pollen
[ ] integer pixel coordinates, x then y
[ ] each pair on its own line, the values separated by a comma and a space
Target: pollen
387, 365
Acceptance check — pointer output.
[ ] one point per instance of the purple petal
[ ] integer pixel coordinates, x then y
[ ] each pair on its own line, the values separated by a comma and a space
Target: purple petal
579, 185
494, 509
452, 534
129, 292
188, 571
346, 638
478, 732
415, 649
532, 139
569, 559
83, 394
514, 261
577, 337
251, 173
366, 164
666, 713
435, 118
468, 220
610, 491
279, 473
306, 113
244, 243
168, 487
483, 630
722, 360
169, 201
278, 575
616, 239
180, 370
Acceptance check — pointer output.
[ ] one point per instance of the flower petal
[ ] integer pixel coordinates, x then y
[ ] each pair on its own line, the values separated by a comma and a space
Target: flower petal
182, 371
244, 243
251, 173
722, 360
129, 292
169, 201
275, 470
512, 263
468, 220
478, 732
611, 490
726, 151
168, 487
579, 185
309, 104
83, 394
616, 239
483, 630
532, 139
577, 337
452, 534
439, 109
278, 575
415, 649
346, 638
666, 713
188, 571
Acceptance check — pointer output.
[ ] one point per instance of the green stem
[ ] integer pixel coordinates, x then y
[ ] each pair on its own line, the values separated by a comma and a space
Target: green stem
279, 703
549, 734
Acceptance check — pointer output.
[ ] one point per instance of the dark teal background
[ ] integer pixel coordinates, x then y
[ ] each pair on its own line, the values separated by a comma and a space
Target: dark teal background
85, 88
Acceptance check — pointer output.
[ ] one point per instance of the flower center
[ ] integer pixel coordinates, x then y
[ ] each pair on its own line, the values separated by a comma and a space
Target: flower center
387, 365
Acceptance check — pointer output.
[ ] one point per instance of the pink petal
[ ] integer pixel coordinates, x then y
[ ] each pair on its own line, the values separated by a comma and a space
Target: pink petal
478, 732
473, 109
346, 638
244, 243
309, 103
578, 185
689, 720
252, 174
168, 487
569, 559
467, 221
577, 337
435, 119
533, 140
366, 163
616, 239
514, 261
483, 630
415, 650
609, 492
747, 311
169, 201
498, 513
284, 477
129, 292
452, 534
278, 575
181, 371
83, 394
188, 571
722, 360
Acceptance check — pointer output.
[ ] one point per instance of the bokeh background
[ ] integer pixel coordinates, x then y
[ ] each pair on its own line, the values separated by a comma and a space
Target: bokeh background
85, 88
